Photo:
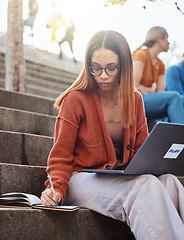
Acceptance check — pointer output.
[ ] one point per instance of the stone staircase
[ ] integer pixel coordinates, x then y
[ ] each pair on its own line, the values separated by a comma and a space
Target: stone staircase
46, 74
26, 137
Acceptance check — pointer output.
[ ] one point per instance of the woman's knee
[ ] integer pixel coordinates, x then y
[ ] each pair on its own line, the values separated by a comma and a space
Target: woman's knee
172, 93
147, 190
150, 182
174, 96
168, 180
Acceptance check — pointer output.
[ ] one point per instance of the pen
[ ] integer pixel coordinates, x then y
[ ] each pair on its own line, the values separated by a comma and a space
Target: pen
50, 182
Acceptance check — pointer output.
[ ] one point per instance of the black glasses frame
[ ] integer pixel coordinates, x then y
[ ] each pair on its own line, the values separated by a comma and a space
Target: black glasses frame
105, 69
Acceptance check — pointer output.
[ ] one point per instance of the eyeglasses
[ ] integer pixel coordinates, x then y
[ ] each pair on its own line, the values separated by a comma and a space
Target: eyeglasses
97, 71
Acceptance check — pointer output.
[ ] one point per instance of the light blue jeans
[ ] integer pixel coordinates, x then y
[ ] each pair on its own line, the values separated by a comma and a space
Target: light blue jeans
164, 104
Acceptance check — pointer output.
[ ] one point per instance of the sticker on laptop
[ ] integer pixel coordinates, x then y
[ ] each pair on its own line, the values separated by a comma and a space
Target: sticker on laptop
174, 151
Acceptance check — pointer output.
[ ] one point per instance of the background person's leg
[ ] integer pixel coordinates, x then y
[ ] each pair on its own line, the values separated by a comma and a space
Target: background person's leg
163, 104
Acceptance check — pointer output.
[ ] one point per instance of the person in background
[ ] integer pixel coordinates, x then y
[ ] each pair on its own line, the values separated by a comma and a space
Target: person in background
149, 75
68, 37
175, 78
101, 124
33, 10
56, 22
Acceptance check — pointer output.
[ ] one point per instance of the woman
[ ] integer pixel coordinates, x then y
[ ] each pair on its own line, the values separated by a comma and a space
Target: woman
101, 124
149, 74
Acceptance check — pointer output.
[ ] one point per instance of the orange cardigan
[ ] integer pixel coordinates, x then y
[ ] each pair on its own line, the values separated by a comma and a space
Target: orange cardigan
83, 141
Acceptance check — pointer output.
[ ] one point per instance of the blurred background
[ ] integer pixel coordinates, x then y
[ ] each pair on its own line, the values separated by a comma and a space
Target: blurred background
133, 19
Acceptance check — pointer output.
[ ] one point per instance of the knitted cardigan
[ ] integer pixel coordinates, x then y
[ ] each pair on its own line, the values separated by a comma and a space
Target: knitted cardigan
83, 141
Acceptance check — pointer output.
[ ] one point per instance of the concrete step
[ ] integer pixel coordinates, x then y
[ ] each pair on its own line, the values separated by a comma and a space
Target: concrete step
40, 87
83, 224
2, 83
51, 60
46, 77
2, 61
48, 83
22, 178
46, 72
46, 66
44, 58
26, 149
33, 90
44, 92
2, 73
26, 122
181, 178
27, 102
49, 80
38, 68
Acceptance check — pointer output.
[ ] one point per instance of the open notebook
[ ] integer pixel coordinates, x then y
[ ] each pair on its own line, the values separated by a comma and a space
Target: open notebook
25, 200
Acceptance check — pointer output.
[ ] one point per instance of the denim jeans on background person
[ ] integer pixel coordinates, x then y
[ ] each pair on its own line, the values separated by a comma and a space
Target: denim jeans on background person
161, 105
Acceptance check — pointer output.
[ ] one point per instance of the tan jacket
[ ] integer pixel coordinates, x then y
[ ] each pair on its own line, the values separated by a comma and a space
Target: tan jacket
83, 141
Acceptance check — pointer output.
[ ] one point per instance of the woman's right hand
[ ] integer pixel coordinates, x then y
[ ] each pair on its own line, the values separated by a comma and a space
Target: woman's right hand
49, 197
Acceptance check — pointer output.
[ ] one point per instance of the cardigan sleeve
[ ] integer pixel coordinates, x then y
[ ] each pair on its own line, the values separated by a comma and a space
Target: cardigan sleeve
61, 155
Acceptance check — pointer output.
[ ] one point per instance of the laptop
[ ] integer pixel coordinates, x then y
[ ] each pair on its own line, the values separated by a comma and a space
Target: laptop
162, 152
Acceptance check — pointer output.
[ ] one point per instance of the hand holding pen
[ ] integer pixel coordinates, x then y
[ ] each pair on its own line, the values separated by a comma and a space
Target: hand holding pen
51, 185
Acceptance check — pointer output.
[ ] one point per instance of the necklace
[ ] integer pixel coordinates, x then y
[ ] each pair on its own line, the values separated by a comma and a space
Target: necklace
112, 106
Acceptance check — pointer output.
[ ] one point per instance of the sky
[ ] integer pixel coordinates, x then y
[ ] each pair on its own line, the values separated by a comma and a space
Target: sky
90, 16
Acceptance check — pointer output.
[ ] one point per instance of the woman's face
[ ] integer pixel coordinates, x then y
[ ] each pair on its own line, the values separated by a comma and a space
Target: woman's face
164, 44
104, 58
